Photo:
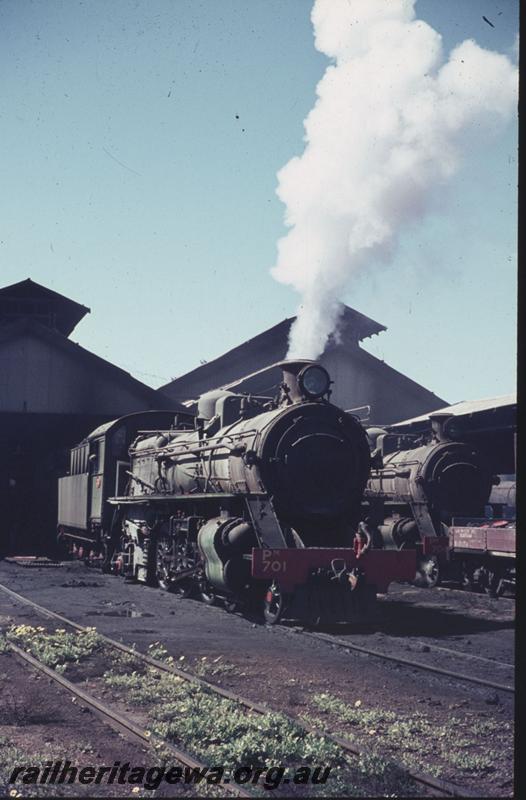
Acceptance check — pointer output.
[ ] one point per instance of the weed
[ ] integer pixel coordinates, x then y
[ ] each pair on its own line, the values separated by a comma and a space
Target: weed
201, 666
353, 715
473, 762
491, 727
213, 667
55, 649
218, 730
12, 757
158, 651
415, 737
124, 663
144, 688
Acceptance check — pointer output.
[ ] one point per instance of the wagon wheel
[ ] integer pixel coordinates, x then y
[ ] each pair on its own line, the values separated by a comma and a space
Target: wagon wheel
467, 580
492, 586
428, 573
274, 604
479, 580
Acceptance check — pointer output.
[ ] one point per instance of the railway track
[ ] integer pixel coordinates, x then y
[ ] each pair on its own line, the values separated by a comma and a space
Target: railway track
460, 590
124, 724
438, 787
408, 662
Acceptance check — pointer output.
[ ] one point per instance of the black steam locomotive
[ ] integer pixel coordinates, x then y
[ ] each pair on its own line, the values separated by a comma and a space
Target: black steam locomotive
253, 500
418, 485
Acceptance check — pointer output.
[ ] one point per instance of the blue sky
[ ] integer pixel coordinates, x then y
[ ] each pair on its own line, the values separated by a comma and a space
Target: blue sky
140, 145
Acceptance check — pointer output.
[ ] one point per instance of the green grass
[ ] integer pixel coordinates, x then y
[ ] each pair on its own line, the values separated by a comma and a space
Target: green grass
55, 649
461, 744
202, 667
123, 663
220, 731
12, 757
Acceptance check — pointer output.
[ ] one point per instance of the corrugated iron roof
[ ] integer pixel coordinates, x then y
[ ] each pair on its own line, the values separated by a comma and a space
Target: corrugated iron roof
465, 408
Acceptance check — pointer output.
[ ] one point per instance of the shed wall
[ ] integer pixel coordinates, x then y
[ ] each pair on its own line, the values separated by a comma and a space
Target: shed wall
361, 379
38, 378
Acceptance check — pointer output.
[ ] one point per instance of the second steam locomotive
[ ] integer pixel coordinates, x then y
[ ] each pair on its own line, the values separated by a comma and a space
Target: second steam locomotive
253, 501
431, 493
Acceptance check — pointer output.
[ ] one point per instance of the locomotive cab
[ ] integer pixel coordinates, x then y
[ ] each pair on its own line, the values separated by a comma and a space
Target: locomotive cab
99, 468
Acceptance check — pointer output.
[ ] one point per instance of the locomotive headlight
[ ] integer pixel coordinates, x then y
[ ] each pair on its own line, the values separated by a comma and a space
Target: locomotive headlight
314, 381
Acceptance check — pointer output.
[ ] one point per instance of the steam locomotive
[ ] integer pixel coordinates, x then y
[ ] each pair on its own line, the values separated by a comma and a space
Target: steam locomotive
419, 485
254, 500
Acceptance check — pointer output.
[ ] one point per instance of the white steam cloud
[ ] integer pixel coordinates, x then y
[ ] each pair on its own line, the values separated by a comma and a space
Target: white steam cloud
391, 121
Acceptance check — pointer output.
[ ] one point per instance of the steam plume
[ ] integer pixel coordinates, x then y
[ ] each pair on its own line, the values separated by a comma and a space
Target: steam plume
391, 121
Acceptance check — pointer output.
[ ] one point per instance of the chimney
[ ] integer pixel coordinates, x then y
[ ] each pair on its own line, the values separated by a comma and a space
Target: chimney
439, 426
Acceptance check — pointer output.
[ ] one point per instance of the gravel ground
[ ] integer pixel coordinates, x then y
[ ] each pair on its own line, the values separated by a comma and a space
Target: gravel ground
283, 668
40, 721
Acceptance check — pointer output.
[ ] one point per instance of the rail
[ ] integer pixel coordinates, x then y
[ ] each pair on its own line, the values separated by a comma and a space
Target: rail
445, 788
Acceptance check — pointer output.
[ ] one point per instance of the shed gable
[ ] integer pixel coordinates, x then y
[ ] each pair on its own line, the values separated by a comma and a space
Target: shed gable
38, 376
